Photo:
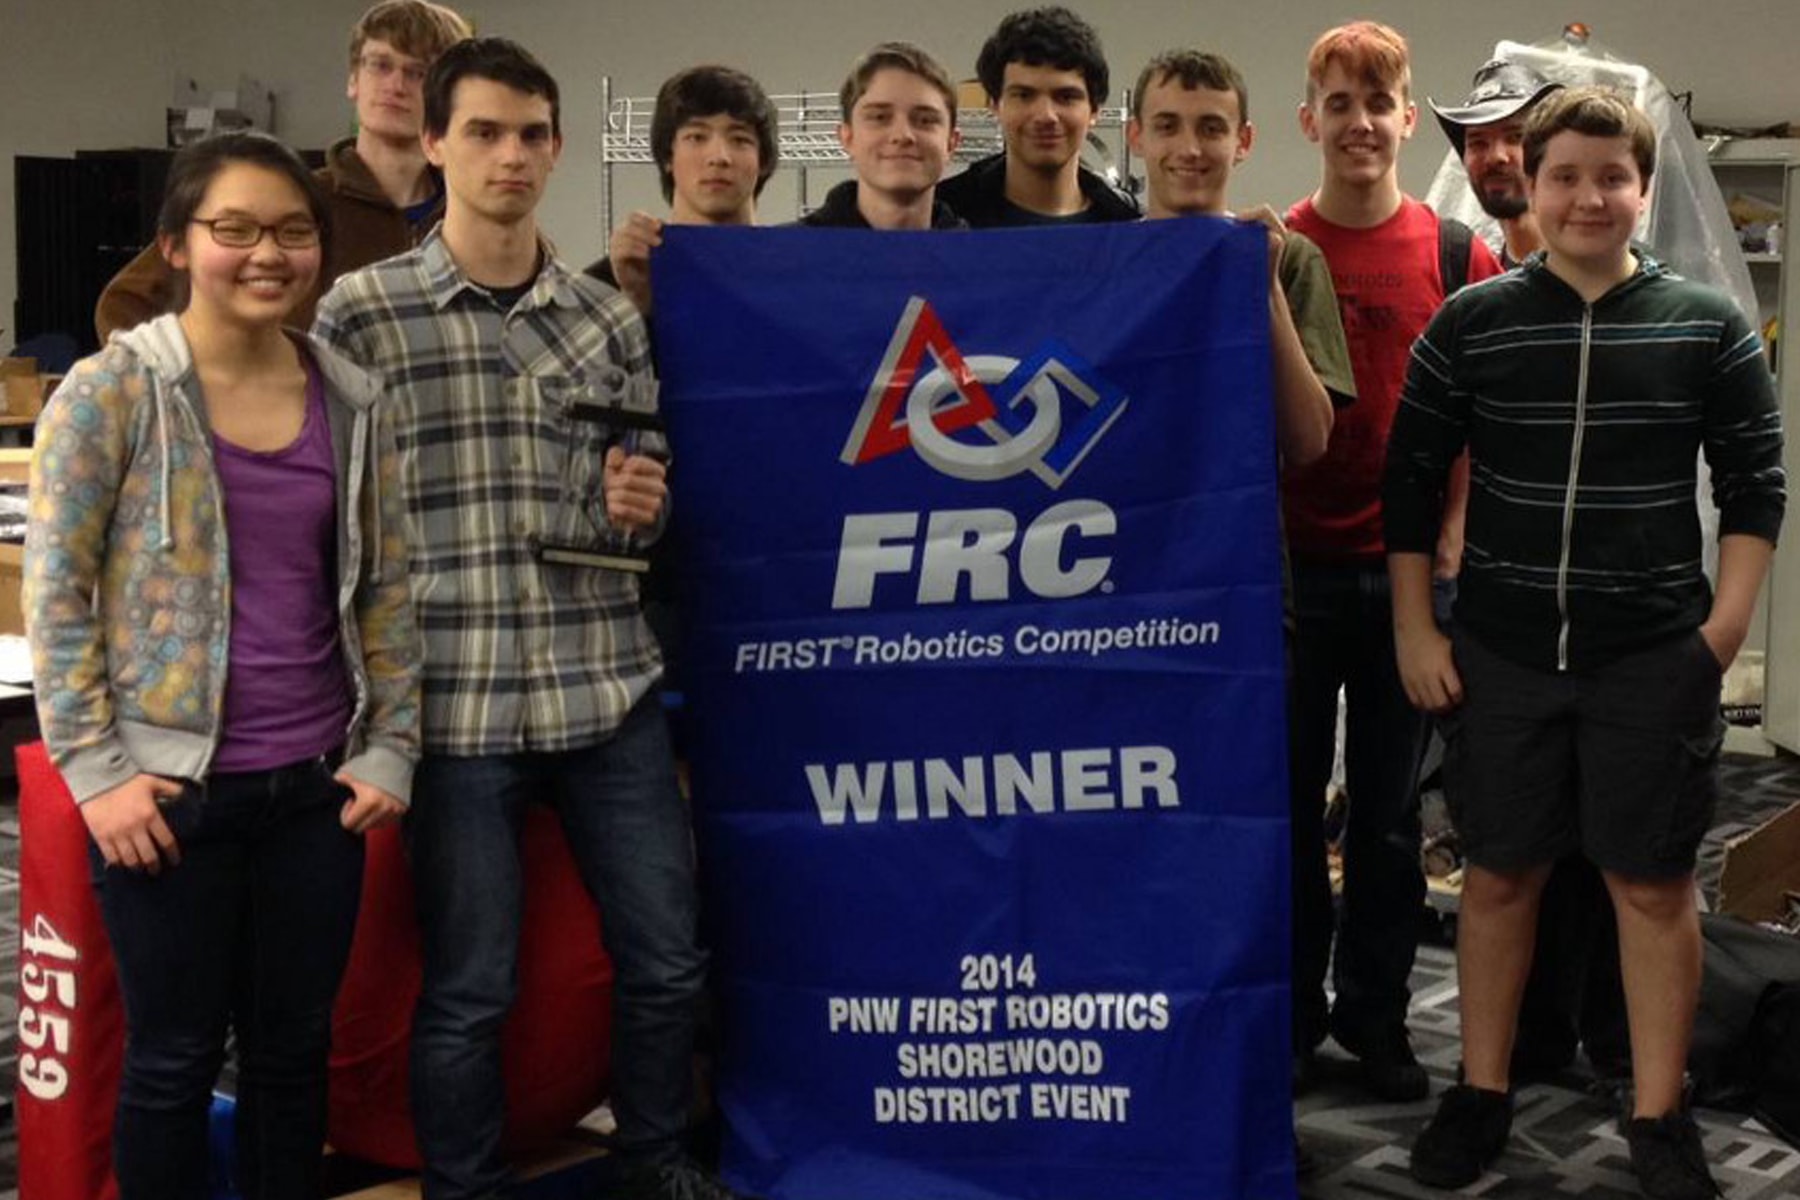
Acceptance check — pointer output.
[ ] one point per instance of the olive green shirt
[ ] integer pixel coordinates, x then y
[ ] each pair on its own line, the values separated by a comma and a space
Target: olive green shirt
1312, 301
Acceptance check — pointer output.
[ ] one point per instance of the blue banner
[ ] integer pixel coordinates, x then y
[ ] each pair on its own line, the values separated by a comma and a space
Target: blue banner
980, 566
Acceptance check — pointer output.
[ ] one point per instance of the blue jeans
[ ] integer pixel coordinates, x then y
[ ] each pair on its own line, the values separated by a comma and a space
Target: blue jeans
1344, 636
628, 830
251, 931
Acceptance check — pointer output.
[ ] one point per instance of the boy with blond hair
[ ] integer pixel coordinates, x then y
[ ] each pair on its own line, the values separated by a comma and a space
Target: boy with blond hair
383, 195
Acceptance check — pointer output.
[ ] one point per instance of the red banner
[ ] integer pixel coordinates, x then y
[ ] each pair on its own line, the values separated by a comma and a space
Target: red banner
71, 1021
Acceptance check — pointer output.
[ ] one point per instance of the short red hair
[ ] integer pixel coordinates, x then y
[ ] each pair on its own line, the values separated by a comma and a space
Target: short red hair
1369, 51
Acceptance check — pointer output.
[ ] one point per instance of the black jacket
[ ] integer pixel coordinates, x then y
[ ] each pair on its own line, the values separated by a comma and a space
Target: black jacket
602, 270
1582, 423
840, 212
979, 195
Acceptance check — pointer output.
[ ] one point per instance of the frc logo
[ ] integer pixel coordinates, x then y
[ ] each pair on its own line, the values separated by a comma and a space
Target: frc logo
978, 554
1025, 431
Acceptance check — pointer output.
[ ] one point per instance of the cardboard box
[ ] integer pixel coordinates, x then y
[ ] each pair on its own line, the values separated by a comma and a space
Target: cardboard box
12, 577
15, 464
1762, 868
15, 467
21, 387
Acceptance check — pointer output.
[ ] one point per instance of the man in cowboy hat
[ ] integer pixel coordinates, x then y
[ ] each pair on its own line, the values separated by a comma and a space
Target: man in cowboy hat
1488, 132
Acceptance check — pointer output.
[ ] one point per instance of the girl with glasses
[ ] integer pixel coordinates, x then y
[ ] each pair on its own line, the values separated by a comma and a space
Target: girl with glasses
226, 667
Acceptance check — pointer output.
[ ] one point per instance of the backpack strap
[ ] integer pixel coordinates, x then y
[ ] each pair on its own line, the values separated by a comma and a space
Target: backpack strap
1454, 248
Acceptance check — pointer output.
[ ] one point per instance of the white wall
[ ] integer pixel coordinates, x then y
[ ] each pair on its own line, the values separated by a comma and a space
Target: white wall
92, 74
74, 74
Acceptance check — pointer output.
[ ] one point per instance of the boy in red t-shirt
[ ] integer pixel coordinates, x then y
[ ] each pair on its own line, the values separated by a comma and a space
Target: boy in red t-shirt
1383, 248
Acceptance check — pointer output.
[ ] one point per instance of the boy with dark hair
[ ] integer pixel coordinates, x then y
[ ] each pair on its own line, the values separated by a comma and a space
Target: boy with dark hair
491, 60
703, 92
899, 129
1582, 686
1387, 263
1190, 125
1045, 77
384, 196
713, 138
541, 676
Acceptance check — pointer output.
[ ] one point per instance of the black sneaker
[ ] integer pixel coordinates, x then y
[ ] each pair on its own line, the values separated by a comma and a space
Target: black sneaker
677, 1179
1386, 1064
1466, 1134
1668, 1159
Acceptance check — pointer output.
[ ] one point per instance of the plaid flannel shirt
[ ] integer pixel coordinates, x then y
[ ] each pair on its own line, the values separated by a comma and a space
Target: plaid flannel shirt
520, 655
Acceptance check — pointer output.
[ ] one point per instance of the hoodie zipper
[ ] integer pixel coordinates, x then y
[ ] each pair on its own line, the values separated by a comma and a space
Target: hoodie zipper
1568, 514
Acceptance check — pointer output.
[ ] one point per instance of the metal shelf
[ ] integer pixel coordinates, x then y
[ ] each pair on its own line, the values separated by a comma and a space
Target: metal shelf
1769, 168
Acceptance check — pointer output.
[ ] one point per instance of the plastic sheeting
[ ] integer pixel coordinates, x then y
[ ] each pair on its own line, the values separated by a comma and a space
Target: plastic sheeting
1686, 224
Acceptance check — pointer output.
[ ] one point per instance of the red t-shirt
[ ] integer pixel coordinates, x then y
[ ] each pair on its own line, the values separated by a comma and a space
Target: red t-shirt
1388, 286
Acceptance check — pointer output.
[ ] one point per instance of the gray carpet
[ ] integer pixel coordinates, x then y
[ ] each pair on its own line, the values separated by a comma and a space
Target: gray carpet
1565, 1140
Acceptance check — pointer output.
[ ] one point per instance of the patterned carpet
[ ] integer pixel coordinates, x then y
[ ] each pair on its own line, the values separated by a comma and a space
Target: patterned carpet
1565, 1139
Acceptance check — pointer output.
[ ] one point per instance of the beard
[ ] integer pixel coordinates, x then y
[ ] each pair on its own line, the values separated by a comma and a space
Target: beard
1502, 204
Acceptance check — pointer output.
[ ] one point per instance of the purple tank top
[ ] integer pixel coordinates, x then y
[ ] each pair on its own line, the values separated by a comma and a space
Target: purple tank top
287, 692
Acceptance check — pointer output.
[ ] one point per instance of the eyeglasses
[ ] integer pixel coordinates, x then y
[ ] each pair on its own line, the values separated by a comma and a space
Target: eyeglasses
383, 67
238, 233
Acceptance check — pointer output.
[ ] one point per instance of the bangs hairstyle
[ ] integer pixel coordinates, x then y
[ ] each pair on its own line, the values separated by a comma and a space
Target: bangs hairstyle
500, 60
413, 27
902, 56
197, 164
1595, 112
708, 91
1370, 52
1044, 37
1192, 69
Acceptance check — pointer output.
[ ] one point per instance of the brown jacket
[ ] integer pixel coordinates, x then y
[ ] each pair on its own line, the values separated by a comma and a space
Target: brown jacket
365, 228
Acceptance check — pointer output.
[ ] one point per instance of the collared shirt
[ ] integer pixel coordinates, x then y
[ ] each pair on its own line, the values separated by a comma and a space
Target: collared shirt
520, 654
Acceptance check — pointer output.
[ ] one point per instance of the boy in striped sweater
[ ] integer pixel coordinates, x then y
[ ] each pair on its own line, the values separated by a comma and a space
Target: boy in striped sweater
1580, 695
